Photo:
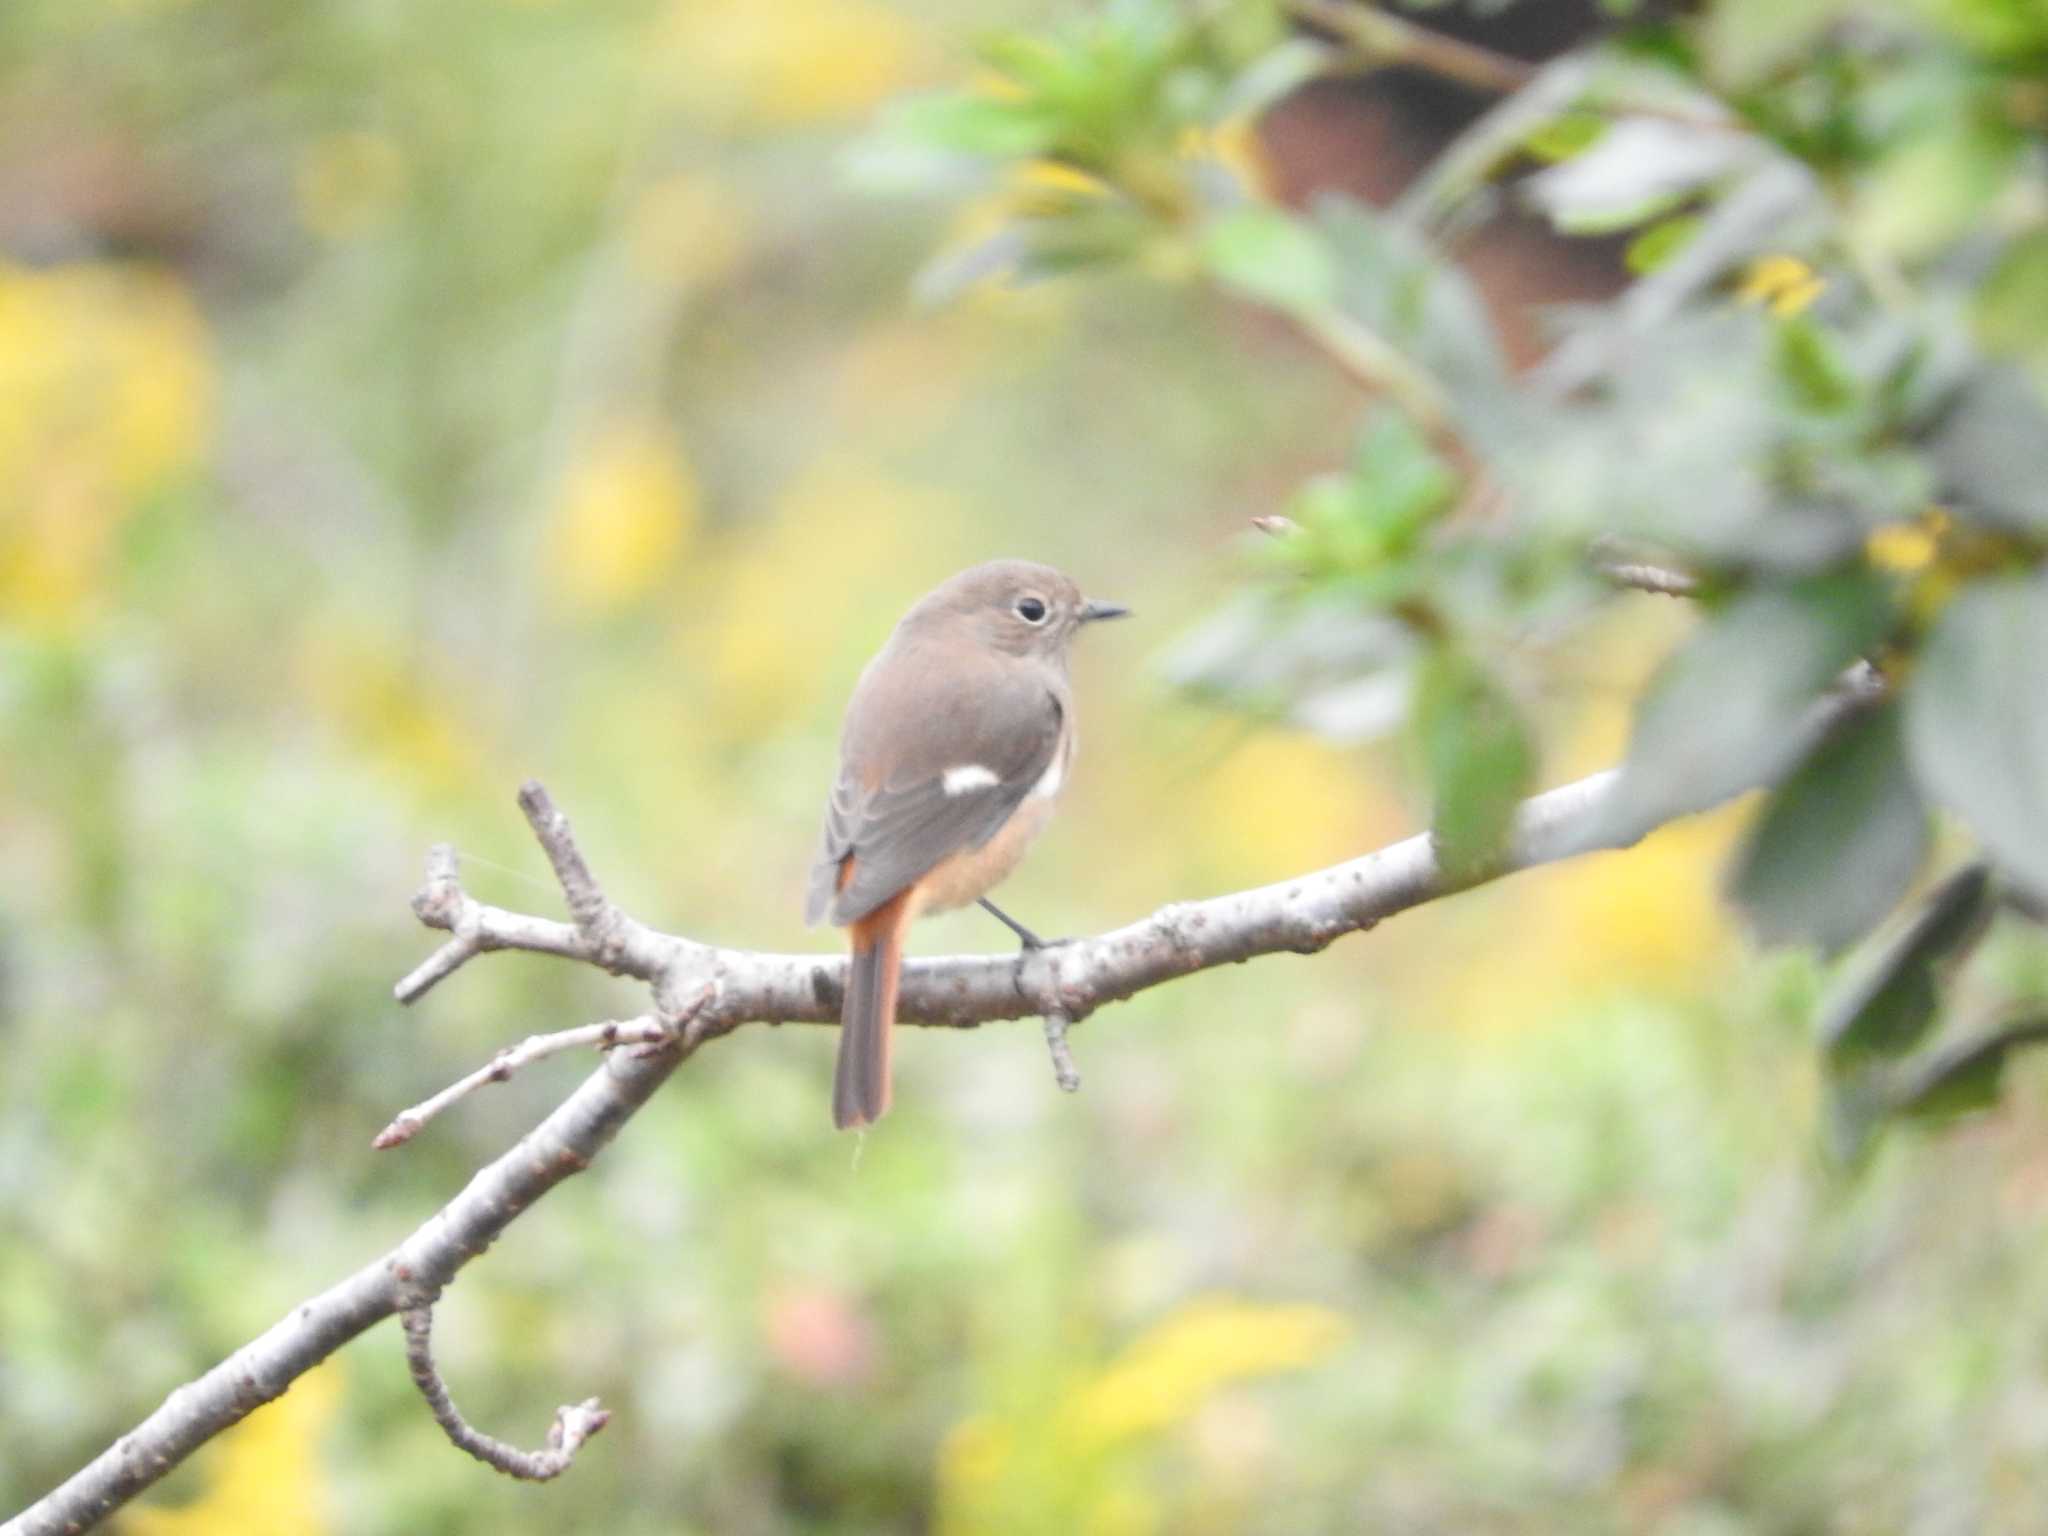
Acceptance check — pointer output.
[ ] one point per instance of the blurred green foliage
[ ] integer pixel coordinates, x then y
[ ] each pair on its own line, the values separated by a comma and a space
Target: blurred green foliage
395, 402
1799, 404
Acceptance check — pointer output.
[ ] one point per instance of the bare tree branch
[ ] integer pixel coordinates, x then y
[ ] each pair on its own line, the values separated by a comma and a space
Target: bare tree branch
562, 1144
416, 1271
703, 991
574, 1422
645, 1030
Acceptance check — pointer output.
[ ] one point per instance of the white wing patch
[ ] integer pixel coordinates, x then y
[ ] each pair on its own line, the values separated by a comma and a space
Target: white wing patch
1055, 775
968, 777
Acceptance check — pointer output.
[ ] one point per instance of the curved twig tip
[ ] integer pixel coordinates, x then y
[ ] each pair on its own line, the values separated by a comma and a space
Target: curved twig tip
574, 1423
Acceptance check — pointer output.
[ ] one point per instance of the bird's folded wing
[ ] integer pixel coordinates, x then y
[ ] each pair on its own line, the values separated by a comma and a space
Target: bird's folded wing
900, 829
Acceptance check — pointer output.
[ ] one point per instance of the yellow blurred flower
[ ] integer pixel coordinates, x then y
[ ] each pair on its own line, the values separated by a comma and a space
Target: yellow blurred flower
1122, 1512
1785, 284
790, 64
107, 393
265, 1477
1281, 801
1234, 144
627, 509
1648, 916
1067, 1465
975, 1453
347, 184
686, 231
1906, 548
368, 688
802, 587
1210, 1342
1044, 187
994, 84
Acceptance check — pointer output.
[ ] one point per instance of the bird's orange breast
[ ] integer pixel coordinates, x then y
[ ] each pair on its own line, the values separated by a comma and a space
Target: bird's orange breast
972, 873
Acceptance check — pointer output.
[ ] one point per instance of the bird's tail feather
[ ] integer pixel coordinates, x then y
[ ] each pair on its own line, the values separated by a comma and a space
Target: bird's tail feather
860, 1087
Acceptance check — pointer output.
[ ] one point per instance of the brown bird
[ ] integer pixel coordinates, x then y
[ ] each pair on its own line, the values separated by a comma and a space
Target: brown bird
956, 745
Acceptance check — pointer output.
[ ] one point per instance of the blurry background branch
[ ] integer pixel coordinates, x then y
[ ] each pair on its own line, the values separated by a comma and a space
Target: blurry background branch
730, 988
1374, 38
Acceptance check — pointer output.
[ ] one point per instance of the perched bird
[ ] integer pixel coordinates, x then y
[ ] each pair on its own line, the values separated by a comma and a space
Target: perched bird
956, 745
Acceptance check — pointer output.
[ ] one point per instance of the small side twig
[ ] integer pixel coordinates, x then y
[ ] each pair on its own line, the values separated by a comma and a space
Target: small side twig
574, 1422
644, 1030
1063, 1069
441, 903
587, 901
477, 929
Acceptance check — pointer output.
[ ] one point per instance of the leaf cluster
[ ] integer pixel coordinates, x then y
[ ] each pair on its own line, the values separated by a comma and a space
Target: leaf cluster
1816, 402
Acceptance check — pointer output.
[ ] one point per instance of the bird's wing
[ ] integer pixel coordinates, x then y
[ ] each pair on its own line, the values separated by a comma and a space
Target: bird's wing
995, 744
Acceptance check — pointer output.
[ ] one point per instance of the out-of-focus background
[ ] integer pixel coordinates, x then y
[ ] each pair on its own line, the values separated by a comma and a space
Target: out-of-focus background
400, 401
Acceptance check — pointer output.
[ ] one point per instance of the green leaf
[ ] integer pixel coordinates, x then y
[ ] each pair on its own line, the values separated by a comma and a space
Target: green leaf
1729, 712
2012, 306
1660, 242
1692, 447
1362, 528
1977, 720
1267, 255
1566, 135
1991, 448
972, 124
1272, 77
1480, 760
1422, 307
1999, 27
1810, 363
1839, 842
1964, 1078
1933, 188
1409, 480
1746, 40
1640, 167
1884, 1005
1316, 657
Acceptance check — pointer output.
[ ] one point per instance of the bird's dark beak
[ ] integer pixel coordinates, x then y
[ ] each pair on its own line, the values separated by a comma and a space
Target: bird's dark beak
1093, 610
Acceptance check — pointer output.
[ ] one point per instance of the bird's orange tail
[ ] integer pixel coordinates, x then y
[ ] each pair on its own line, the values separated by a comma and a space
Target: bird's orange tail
860, 1088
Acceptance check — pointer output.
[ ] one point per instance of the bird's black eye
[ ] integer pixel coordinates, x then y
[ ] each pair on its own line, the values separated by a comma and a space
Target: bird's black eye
1031, 610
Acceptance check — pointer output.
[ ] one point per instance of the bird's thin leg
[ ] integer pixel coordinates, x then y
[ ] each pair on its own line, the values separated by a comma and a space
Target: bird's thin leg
1025, 936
